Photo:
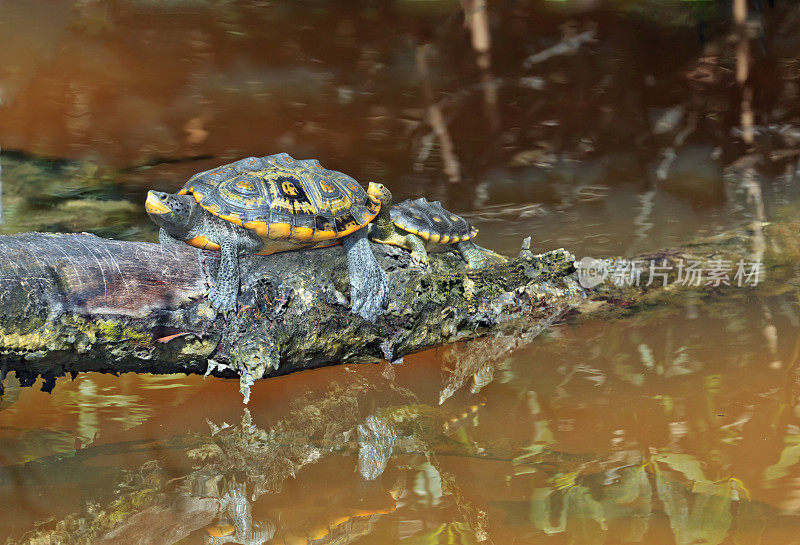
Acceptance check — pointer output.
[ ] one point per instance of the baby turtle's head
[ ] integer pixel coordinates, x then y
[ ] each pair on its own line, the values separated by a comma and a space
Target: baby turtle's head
176, 214
380, 192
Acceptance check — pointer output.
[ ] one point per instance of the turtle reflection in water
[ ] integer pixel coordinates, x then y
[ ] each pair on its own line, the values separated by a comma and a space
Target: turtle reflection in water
273, 204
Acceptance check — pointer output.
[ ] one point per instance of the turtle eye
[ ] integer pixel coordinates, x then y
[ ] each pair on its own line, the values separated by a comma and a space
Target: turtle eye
163, 196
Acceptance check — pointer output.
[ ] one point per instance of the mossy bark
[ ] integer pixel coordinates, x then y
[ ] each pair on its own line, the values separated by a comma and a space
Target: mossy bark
73, 303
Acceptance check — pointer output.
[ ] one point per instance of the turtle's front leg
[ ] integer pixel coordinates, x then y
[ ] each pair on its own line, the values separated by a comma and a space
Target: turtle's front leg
226, 282
369, 286
419, 255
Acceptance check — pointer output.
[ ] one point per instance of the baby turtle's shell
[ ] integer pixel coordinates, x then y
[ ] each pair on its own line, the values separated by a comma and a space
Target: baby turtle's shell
279, 197
431, 222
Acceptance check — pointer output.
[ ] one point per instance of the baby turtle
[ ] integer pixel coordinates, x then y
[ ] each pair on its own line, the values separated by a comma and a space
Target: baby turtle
263, 205
413, 223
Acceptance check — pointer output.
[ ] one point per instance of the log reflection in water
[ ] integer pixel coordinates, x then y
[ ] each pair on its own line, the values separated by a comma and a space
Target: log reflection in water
445, 470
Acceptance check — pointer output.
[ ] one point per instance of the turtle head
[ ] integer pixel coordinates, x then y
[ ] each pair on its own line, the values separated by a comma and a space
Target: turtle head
176, 214
380, 192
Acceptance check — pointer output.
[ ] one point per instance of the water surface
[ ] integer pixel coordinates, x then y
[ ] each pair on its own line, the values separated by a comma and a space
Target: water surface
675, 425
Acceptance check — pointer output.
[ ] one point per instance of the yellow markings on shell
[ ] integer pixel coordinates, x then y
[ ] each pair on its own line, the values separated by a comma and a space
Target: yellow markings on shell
302, 233
338, 206
434, 238
323, 235
437, 219
203, 243
184, 191
284, 205
213, 208
453, 218
233, 218
306, 207
409, 229
353, 226
350, 226
289, 188
279, 230
445, 239
260, 227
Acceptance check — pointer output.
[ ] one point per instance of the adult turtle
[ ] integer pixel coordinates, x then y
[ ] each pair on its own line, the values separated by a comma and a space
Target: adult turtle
412, 224
264, 205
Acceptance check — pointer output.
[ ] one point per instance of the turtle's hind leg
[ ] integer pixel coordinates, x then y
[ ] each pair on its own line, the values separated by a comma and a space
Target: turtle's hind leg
477, 257
369, 286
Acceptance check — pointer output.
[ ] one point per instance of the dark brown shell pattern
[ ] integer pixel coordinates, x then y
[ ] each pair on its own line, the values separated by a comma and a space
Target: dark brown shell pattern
431, 221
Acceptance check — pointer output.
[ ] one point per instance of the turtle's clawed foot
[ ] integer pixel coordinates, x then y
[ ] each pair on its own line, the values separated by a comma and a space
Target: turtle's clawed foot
419, 260
221, 299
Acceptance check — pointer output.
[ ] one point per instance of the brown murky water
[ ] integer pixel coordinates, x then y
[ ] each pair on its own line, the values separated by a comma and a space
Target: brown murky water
678, 425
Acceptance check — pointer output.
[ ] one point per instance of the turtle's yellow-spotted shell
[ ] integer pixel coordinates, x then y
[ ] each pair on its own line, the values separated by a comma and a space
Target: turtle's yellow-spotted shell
431, 221
282, 198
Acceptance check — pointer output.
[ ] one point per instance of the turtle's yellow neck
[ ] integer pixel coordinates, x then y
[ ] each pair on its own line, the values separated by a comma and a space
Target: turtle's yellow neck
383, 222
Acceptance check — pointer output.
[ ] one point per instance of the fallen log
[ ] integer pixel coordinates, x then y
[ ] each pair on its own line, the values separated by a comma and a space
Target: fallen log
74, 303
